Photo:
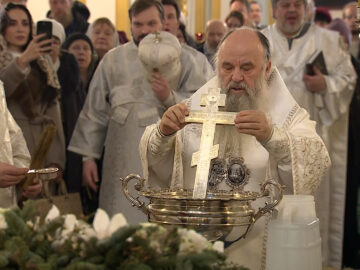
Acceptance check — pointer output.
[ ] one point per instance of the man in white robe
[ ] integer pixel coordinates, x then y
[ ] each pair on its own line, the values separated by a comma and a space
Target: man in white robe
272, 134
121, 102
326, 98
172, 24
14, 158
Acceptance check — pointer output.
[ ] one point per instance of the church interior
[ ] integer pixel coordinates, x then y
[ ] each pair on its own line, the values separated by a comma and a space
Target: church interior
180, 134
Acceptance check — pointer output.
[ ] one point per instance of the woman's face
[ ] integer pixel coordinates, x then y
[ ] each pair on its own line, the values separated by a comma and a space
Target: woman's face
103, 37
18, 30
233, 22
180, 36
82, 52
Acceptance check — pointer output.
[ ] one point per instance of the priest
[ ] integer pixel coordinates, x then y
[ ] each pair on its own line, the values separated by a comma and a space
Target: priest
326, 96
272, 137
14, 159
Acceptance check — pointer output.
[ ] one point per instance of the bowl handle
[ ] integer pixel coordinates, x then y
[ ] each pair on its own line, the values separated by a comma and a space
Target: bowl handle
269, 206
138, 186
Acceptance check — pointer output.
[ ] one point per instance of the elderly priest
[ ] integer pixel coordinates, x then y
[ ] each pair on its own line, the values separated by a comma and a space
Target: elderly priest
271, 136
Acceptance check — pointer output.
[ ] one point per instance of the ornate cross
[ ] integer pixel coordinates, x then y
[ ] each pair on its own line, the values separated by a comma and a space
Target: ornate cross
209, 118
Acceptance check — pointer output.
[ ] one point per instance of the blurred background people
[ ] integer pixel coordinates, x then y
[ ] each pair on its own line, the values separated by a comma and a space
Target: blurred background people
243, 7
255, 14
31, 85
234, 19
72, 99
214, 31
73, 15
322, 16
103, 36
172, 23
82, 48
181, 34
350, 17
326, 97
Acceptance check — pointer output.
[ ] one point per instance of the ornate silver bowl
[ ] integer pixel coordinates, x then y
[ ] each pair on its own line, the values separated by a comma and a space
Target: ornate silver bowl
214, 217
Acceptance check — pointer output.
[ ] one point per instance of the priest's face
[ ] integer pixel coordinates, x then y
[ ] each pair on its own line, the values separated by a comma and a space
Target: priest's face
289, 16
144, 23
242, 69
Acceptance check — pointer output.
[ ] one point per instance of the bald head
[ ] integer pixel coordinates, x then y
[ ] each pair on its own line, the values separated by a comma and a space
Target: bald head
214, 32
350, 17
243, 61
260, 41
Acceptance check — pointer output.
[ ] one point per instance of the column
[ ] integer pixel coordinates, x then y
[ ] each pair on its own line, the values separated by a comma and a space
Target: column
122, 16
199, 16
215, 9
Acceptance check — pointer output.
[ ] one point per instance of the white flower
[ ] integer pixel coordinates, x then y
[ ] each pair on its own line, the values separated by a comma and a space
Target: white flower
3, 224
70, 223
64, 233
192, 242
86, 232
218, 246
104, 227
52, 214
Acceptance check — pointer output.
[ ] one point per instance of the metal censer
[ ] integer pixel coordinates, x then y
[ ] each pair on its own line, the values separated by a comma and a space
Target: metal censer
214, 217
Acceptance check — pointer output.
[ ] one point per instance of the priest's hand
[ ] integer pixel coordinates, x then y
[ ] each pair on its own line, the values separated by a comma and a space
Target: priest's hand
160, 85
315, 83
253, 123
90, 174
11, 175
173, 119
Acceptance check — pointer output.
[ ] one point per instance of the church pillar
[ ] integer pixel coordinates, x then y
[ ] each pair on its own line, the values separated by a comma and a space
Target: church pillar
200, 16
122, 21
270, 13
215, 9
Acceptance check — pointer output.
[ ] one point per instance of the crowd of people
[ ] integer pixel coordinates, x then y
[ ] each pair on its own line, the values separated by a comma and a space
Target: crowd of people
106, 101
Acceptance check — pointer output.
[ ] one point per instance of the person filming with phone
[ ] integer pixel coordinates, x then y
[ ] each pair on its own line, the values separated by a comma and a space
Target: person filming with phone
31, 84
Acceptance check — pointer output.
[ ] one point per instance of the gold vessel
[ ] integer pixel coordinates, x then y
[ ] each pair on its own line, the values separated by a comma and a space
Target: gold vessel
214, 217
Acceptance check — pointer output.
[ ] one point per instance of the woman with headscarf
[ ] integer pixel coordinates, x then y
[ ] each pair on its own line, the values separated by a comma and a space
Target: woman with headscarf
82, 48
103, 36
31, 85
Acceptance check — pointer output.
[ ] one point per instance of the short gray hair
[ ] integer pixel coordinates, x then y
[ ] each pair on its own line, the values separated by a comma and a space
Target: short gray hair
350, 4
263, 40
274, 3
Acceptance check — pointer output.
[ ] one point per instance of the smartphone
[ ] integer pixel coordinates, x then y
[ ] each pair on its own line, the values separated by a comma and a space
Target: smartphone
44, 27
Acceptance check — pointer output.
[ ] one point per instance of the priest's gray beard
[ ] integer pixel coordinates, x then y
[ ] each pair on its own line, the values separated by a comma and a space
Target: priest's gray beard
231, 142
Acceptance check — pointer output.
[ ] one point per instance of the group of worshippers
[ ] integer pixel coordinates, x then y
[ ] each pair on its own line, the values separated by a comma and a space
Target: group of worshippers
46, 81
290, 126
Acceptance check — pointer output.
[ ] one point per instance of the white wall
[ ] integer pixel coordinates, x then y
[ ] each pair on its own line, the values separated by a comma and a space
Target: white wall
38, 9
102, 8
98, 8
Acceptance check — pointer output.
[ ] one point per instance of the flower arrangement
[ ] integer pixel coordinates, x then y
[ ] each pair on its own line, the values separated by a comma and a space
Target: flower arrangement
65, 242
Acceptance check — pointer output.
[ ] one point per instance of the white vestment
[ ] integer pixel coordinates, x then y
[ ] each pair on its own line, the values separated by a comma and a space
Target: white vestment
119, 106
294, 156
330, 111
13, 149
200, 58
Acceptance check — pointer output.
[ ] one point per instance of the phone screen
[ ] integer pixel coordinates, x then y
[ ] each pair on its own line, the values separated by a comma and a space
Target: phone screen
44, 27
